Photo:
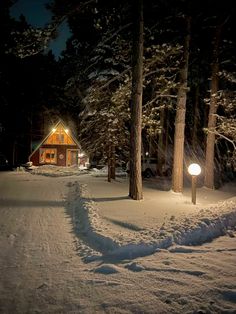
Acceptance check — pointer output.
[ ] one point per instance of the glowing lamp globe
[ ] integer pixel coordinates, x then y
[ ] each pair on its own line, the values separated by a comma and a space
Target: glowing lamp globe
194, 169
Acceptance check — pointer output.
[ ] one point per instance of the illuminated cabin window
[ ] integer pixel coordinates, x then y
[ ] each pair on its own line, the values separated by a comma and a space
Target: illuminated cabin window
60, 137
48, 156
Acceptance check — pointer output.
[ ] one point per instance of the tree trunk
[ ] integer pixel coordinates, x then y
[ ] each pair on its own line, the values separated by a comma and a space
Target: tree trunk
166, 138
195, 119
210, 142
109, 163
160, 151
14, 152
135, 185
177, 173
31, 130
113, 162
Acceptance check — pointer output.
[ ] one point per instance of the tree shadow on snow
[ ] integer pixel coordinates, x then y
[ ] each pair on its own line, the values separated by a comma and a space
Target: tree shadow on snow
110, 199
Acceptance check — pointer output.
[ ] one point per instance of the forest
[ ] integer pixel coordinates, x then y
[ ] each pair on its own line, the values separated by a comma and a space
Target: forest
137, 78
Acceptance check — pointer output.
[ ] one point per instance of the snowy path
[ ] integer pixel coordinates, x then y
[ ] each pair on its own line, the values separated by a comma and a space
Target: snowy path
38, 258
41, 270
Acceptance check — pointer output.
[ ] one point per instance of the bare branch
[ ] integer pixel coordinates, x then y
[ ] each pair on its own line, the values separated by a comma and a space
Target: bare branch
225, 137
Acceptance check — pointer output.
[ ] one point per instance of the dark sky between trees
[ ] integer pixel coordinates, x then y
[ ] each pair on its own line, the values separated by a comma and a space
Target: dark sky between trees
38, 16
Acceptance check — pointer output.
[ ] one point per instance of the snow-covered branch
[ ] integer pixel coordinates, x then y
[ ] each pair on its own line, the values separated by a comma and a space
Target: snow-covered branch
224, 137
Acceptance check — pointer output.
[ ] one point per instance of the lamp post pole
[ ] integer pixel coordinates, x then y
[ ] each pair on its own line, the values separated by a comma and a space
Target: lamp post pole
194, 170
194, 188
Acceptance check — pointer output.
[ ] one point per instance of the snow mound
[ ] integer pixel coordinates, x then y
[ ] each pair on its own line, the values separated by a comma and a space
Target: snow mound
194, 229
56, 171
104, 172
135, 267
107, 269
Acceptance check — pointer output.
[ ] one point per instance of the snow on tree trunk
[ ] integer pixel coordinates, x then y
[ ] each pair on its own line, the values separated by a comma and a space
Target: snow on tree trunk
177, 173
135, 185
210, 142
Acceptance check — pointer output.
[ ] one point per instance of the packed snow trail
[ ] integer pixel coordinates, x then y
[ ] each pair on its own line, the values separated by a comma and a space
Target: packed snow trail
41, 270
38, 258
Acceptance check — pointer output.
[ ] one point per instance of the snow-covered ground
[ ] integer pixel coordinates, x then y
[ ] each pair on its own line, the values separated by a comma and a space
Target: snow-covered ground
78, 244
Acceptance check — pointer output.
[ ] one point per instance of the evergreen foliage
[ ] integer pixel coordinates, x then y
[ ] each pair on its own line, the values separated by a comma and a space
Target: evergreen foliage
91, 82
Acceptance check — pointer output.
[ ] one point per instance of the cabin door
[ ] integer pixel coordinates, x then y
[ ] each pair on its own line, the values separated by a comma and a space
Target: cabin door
72, 157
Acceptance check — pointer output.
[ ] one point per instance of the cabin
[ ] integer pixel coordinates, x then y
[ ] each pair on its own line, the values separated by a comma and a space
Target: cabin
59, 148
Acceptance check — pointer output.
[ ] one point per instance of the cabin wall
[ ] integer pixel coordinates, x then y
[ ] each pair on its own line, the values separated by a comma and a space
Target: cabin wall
61, 154
35, 158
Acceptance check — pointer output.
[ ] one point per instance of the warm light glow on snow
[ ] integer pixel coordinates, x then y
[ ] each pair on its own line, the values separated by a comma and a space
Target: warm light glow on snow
194, 169
160, 230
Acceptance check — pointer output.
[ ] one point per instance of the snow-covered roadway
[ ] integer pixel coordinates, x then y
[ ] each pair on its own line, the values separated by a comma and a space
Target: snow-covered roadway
41, 270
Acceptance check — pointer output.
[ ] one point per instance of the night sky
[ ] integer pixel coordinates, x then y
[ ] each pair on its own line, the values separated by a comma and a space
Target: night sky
37, 15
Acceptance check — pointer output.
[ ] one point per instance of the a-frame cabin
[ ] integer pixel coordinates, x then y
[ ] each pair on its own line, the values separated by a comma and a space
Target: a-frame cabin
59, 148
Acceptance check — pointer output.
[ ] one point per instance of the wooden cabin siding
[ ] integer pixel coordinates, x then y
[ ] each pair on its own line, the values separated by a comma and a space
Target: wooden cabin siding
61, 154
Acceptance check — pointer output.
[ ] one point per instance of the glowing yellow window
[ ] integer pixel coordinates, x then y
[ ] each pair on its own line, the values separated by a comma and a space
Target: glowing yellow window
48, 156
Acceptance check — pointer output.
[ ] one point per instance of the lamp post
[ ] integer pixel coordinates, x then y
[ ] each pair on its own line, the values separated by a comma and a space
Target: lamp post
194, 170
